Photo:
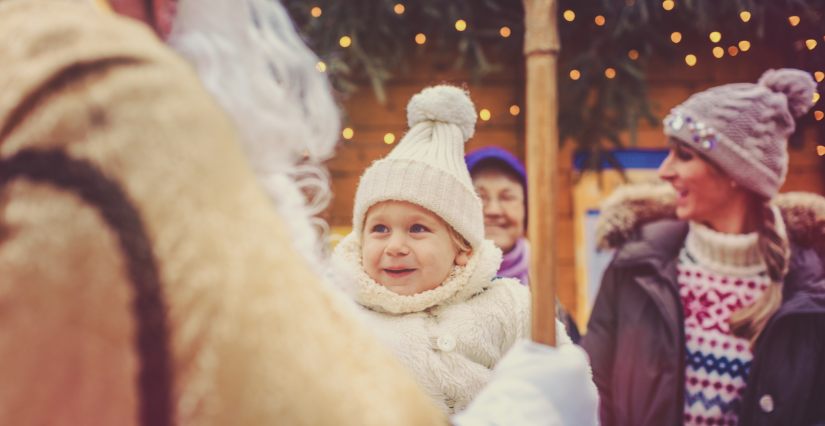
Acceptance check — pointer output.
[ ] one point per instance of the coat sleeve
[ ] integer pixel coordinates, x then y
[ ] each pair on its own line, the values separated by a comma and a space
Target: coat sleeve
600, 343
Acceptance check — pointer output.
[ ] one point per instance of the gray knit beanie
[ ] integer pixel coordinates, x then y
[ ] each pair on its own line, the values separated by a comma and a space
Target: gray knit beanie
744, 128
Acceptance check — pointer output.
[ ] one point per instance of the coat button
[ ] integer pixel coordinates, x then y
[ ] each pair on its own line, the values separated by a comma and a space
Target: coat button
766, 403
446, 342
460, 405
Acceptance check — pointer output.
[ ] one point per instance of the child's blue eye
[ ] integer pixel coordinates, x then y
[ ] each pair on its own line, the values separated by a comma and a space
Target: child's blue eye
418, 228
380, 228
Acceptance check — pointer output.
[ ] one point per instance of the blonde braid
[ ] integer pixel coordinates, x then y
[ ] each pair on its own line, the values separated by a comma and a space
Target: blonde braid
749, 322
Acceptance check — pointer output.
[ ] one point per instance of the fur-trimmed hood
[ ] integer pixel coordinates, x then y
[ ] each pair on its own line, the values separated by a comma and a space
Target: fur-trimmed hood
631, 206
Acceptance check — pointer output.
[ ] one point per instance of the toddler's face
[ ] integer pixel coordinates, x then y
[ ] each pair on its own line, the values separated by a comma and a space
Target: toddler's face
407, 248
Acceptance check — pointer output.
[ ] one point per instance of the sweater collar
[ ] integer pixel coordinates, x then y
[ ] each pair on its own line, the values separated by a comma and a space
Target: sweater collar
463, 282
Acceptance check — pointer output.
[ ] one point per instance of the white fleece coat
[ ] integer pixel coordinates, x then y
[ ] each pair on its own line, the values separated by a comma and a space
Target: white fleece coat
482, 314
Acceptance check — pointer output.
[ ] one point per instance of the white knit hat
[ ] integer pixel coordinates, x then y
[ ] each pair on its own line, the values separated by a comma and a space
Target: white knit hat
427, 167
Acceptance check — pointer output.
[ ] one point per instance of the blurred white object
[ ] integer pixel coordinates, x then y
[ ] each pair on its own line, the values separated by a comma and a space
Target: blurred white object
533, 385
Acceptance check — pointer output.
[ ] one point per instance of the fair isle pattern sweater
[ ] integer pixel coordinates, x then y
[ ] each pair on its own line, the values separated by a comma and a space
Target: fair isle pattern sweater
717, 275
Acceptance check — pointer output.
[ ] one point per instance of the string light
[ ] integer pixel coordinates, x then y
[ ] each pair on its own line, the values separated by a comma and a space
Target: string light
399, 8
348, 133
460, 25
690, 59
818, 115
811, 43
668, 4
345, 41
321, 67
633, 54
820, 150
819, 75
484, 114
514, 110
746, 16
744, 45
600, 20
420, 38
794, 20
575, 74
816, 97
610, 73
505, 32
676, 37
718, 52
732, 51
569, 15
389, 138
315, 12
715, 36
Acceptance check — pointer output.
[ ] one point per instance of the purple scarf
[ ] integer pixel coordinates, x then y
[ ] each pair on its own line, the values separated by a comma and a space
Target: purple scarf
516, 264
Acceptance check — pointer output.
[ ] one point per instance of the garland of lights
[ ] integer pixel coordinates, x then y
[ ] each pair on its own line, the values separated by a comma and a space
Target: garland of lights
606, 46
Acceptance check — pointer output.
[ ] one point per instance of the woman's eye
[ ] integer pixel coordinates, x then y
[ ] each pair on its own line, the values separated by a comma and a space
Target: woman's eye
418, 228
380, 228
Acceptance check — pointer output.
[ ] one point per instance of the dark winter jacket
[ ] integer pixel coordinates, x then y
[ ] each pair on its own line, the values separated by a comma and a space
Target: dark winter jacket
636, 338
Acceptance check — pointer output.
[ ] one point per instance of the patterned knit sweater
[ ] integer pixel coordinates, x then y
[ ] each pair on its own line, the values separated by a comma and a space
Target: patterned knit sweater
717, 275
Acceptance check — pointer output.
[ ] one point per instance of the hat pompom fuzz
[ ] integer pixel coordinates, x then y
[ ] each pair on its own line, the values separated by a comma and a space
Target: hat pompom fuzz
797, 85
448, 104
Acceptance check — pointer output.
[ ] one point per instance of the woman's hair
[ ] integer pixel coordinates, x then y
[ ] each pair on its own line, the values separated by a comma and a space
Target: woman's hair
749, 322
459, 242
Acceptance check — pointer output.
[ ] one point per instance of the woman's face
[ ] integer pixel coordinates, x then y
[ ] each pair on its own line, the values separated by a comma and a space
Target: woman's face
704, 193
503, 200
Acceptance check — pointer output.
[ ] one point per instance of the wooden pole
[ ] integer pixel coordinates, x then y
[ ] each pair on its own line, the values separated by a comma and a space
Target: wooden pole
541, 47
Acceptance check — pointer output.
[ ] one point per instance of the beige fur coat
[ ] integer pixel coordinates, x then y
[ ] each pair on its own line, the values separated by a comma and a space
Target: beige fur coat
144, 276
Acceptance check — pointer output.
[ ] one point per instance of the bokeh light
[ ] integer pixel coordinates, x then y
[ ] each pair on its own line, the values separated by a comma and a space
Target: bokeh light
744, 45
348, 133
794, 20
484, 114
575, 74
514, 110
315, 12
321, 67
420, 38
460, 25
633, 54
718, 52
746, 16
715, 36
505, 32
676, 37
668, 4
600, 20
811, 43
819, 75
690, 60
569, 15
610, 73
733, 51
345, 41
389, 138
399, 8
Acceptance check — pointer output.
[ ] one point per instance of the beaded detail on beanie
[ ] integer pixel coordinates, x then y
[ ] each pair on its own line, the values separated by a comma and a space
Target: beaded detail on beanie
427, 167
744, 128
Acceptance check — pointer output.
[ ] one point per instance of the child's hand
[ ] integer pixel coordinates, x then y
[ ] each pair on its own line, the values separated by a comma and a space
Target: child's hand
536, 384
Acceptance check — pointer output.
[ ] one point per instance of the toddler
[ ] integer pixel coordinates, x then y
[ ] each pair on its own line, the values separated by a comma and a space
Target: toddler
422, 268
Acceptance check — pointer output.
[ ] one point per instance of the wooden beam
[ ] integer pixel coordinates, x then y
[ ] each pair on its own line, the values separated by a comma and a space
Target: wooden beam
541, 47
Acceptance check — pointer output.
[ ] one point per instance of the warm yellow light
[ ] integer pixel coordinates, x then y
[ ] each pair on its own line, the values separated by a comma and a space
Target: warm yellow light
746, 16
718, 52
633, 54
733, 50
348, 133
399, 8
600, 20
811, 43
505, 32
816, 97
819, 115
575, 74
668, 4
389, 138
690, 59
610, 73
315, 12
744, 45
420, 38
819, 75
794, 20
514, 110
484, 114
569, 15
630, 2
715, 36
820, 150
321, 67
345, 41
676, 37
460, 25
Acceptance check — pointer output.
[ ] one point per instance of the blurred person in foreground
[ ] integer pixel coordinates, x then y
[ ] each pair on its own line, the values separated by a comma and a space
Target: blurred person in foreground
713, 309
158, 259
500, 179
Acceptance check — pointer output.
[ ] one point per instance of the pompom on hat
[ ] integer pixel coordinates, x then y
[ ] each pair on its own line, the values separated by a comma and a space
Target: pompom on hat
427, 166
744, 128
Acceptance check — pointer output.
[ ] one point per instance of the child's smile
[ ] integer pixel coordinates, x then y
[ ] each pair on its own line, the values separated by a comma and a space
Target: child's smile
407, 248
